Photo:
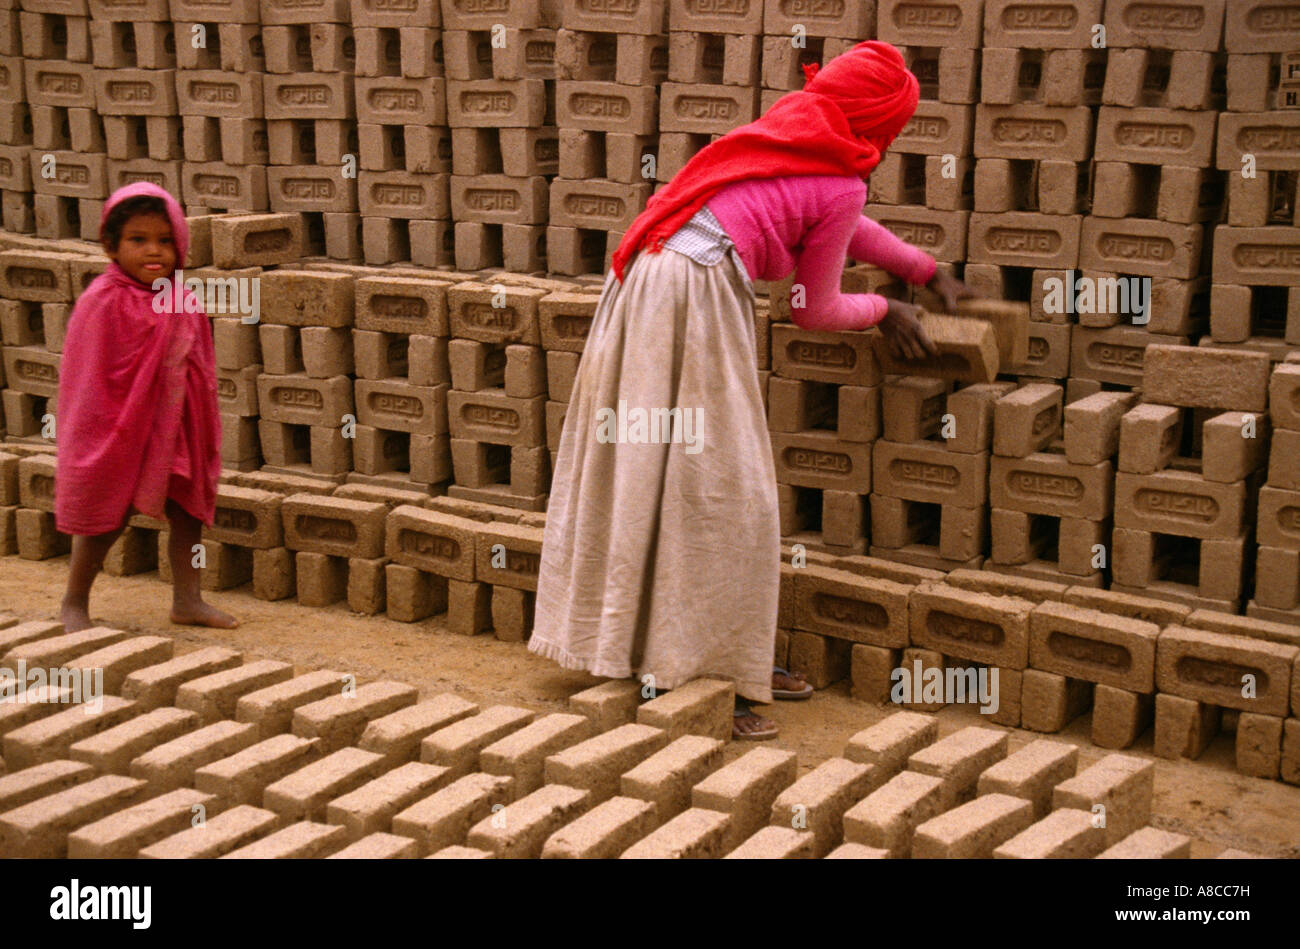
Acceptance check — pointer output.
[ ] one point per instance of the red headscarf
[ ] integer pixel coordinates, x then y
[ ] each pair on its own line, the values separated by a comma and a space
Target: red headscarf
839, 124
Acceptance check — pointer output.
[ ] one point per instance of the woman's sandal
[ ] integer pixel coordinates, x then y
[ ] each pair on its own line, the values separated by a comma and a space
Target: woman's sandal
805, 692
744, 711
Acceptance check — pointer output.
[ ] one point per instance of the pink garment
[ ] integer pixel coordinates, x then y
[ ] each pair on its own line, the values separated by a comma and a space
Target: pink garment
137, 420
808, 224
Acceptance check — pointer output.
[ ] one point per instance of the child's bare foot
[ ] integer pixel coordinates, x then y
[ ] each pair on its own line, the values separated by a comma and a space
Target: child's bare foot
202, 614
74, 618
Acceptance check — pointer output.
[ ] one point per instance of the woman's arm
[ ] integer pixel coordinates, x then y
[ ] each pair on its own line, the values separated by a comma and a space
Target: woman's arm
817, 276
873, 243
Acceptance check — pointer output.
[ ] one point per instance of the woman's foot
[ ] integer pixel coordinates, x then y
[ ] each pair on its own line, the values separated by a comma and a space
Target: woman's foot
746, 726
74, 618
202, 614
789, 685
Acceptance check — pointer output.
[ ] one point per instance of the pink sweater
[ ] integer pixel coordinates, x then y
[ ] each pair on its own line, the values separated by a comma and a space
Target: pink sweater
808, 224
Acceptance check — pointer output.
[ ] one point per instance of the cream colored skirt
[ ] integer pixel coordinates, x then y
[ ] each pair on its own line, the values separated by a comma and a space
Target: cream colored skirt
661, 554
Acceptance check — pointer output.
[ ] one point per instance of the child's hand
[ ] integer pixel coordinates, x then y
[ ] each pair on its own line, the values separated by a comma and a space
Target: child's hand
950, 288
903, 332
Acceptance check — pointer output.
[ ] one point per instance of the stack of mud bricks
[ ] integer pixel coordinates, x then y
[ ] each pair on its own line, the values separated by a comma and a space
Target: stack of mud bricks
1255, 294
502, 380
1191, 458
922, 188
799, 34
311, 115
501, 109
611, 63
1156, 191
1277, 569
220, 88
477, 563
405, 143
52, 113
1051, 482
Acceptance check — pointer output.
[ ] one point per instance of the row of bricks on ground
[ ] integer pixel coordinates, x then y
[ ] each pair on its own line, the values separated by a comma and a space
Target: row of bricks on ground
661, 758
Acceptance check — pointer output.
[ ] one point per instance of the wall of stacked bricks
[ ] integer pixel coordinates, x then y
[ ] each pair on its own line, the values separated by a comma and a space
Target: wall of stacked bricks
440, 300
205, 754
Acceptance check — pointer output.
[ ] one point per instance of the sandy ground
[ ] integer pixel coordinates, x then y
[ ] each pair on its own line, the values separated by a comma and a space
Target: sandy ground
1205, 799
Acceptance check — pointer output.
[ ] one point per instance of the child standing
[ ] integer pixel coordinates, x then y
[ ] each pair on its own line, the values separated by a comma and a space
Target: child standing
661, 559
137, 414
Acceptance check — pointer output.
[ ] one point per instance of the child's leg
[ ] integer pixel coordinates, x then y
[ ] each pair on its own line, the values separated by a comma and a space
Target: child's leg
187, 600
88, 553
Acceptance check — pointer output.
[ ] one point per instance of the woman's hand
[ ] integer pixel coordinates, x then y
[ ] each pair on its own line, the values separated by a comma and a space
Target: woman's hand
950, 288
903, 332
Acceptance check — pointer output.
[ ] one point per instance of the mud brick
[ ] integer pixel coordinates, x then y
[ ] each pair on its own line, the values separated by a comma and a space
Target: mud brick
308, 96
1227, 454
37, 537
124, 833
665, 779
601, 204
564, 320
303, 840
1259, 26
597, 763
408, 305
1149, 843
378, 846
970, 625
370, 808
1284, 396
1025, 238
235, 343
776, 843
695, 833
499, 199
305, 794
974, 829
1145, 136
1149, 438
262, 240
606, 107
340, 720
523, 827
34, 644
497, 103
1209, 667
32, 370
444, 818
1181, 503
888, 817
1092, 645
1030, 131
705, 108
221, 834
919, 23
75, 175
968, 350
1114, 354
50, 737
747, 790
928, 473
888, 744
1119, 716
439, 543
172, 764
859, 609
1137, 246
302, 187
40, 781
241, 778
458, 746
59, 83
1178, 25
608, 705
1031, 774
521, 754
841, 357
124, 91
817, 801
1281, 472
1049, 349
1093, 426
307, 298
1065, 833
40, 828
398, 735
1259, 745
699, 707
603, 832
1283, 633
510, 555
824, 659
972, 411
1040, 25
398, 406
1026, 420
561, 370
1121, 785
216, 184
1206, 377
958, 761
390, 100
525, 372
334, 526
112, 664
494, 313
384, 355
780, 18
1049, 485
41, 277
1277, 578
320, 578
18, 634
913, 408
1049, 702
271, 709
214, 697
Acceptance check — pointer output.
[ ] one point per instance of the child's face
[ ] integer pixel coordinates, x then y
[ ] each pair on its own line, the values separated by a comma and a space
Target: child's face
145, 251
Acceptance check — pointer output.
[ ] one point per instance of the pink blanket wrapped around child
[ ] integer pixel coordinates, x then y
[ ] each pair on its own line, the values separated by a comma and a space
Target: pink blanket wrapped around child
137, 411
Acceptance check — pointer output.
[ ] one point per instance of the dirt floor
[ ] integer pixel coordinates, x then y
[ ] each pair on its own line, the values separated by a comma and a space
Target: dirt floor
1204, 799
